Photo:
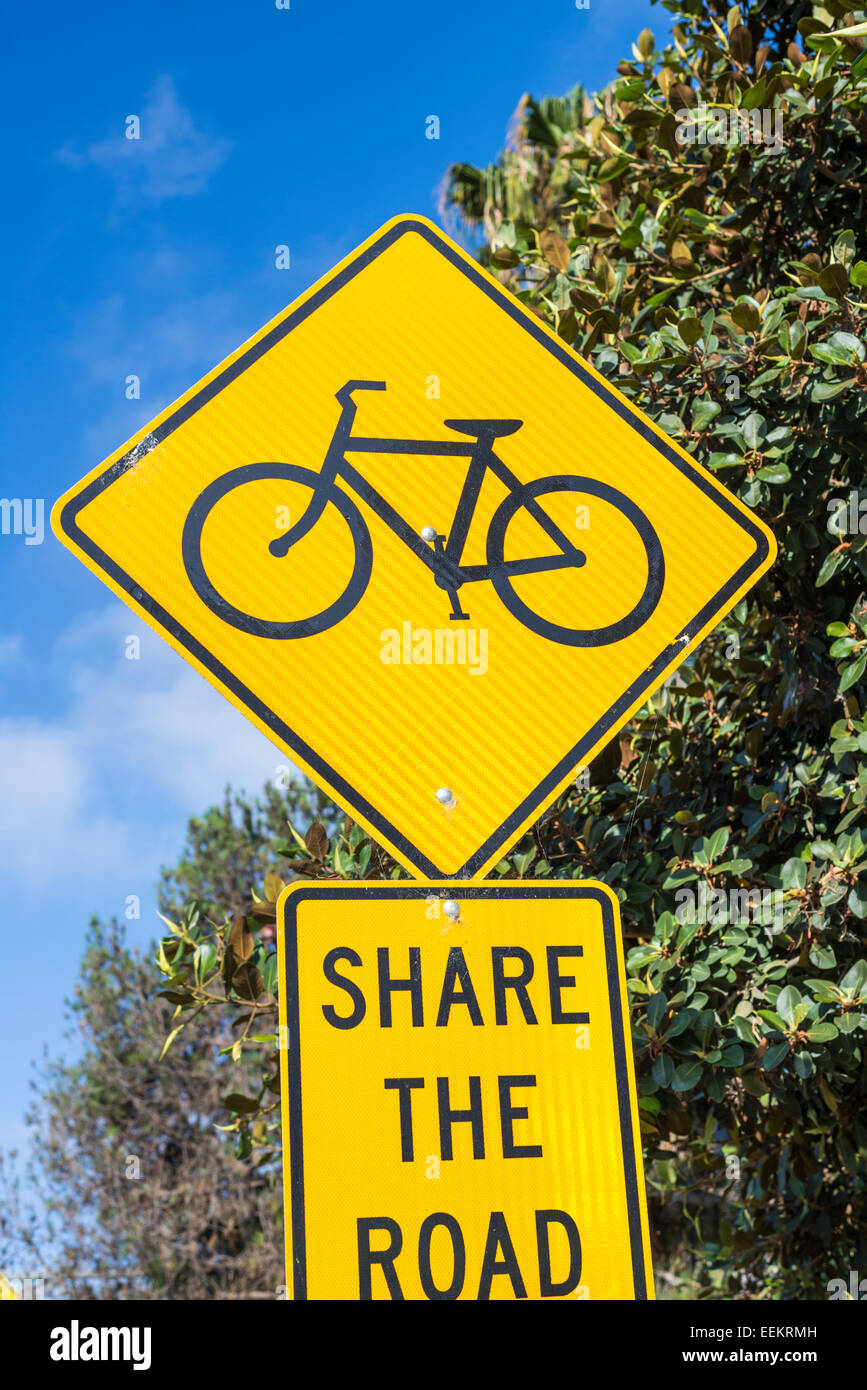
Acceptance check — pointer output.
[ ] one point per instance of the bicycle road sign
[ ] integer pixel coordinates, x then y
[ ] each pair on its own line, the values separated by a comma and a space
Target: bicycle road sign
428, 550
459, 1112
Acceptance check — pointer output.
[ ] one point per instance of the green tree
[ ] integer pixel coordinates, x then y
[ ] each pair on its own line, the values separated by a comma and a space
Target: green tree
714, 272
235, 844
132, 1192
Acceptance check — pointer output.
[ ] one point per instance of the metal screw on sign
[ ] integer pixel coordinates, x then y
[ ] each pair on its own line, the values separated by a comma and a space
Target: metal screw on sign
446, 797
452, 909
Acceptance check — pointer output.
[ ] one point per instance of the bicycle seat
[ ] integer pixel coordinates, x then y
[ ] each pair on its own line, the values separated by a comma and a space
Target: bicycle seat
493, 429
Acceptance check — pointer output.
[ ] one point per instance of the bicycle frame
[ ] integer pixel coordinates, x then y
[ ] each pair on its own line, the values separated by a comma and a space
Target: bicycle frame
444, 560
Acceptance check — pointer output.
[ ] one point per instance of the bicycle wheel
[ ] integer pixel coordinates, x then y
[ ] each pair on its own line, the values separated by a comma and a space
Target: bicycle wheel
574, 636
191, 547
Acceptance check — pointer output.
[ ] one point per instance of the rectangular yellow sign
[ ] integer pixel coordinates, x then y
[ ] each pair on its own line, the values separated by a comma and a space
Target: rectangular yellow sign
459, 1110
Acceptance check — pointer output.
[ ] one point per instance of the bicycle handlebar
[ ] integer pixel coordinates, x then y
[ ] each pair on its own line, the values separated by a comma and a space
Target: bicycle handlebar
344, 395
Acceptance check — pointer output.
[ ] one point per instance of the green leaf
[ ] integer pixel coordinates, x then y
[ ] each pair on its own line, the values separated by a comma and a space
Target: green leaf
663, 1070
753, 429
342, 861
169, 1040
175, 996
655, 1010
824, 849
690, 330
834, 281
774, 1055
630, 91
270, 973
612, 168
794, 873
788, 1001
826, 352
244, 1146
681, 1021
844, 248
640, 956
848, 344
777, 473
822, 957
822, 1032
630, 238
842, 647
858, 273
854, 982
687, 1076
754, 96
522, 862
827, 390
703, 410
716, 843
853, 672
205, 959
851, 31
829, 567
241, 1105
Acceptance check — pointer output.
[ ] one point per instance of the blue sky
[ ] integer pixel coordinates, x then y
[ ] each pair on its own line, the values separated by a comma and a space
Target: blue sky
260, 127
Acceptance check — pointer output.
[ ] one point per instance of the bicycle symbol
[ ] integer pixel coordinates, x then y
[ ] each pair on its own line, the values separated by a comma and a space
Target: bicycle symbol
440, 553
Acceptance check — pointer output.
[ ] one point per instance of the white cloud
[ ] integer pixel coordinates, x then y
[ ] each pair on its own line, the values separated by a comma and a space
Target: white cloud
181, 338
50, 823
170, 159
101, 790
11, 650
167, 350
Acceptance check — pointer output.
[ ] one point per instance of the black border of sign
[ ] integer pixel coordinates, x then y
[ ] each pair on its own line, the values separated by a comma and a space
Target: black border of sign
406, 889
538, 797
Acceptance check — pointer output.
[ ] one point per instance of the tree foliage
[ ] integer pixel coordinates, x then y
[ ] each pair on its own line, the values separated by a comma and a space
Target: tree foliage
721, 288
233, 845
132, 1192
719, 285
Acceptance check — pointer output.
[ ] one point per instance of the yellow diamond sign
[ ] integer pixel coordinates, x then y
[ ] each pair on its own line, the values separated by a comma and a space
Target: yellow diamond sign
427, 549
459, 1111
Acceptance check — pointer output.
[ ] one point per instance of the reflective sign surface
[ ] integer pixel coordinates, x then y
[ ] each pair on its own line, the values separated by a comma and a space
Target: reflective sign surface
427, 550
458, 1099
